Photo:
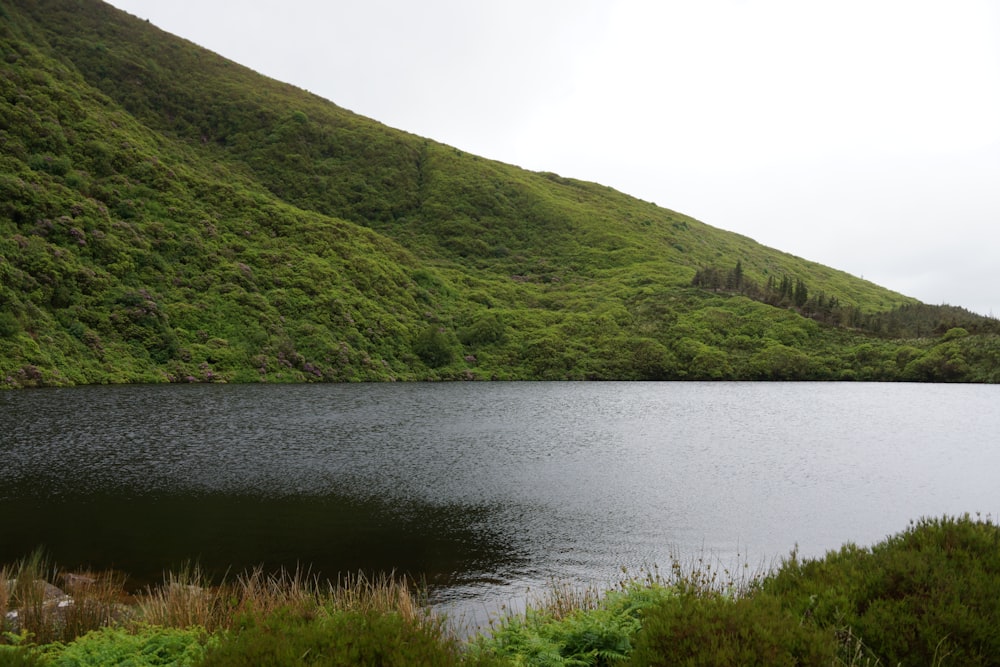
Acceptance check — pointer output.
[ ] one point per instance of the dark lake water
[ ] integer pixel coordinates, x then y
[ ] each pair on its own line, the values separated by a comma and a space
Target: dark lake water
483, 489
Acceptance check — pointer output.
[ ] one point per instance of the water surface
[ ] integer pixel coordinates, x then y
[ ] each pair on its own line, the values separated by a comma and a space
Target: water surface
483, 489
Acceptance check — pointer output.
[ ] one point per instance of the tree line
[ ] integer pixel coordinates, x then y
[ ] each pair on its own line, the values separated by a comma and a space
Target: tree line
907, 321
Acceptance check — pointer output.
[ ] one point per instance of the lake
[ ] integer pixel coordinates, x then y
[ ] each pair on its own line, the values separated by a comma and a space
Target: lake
483, 490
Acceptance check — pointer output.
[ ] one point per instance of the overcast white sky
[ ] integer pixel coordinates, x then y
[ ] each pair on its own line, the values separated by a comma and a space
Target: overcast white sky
861, 134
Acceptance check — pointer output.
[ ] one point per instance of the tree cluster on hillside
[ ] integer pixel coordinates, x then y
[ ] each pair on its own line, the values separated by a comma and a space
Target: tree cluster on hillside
910, 320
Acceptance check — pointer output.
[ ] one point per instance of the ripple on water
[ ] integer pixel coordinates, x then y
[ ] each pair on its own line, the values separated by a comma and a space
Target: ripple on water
484, 487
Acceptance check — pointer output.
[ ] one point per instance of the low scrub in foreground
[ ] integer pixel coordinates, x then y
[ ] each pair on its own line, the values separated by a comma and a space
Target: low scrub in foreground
929, 595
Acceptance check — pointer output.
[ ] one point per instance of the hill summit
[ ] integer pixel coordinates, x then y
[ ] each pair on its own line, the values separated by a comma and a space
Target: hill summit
167, 215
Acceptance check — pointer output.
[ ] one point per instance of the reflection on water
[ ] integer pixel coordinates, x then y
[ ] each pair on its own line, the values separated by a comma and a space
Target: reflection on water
145, 535
482, 489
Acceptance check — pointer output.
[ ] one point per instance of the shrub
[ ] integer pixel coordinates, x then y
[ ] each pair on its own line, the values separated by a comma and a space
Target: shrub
484, 330
319, 638
435, 346
711, 629
928, 595
652, 360
9, 325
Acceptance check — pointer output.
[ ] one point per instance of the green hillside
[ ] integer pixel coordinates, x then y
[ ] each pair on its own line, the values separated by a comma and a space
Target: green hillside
169, 215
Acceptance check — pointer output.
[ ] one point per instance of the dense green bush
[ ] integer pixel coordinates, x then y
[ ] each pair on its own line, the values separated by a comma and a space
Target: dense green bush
340, 639
436, 346
9, 326
927, 596
711, 630
485, 329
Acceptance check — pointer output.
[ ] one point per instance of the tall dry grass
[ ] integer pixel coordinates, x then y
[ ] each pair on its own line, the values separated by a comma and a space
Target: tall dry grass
6, 595
87, 601
98, 600
187, 598
383, 593
30, 603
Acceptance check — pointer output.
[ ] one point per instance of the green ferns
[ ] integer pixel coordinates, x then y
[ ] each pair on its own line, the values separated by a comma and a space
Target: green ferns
598, 634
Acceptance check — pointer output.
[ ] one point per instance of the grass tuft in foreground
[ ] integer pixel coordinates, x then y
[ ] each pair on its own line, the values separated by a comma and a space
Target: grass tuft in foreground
31, 605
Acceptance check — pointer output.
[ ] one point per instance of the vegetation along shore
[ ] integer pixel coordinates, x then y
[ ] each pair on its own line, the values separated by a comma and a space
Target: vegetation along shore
929, 595
167, 215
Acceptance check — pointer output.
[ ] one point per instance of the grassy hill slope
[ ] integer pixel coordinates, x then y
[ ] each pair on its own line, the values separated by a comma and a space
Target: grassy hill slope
168, 215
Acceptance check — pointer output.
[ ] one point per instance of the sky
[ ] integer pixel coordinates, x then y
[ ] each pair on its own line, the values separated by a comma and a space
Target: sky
860, 134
